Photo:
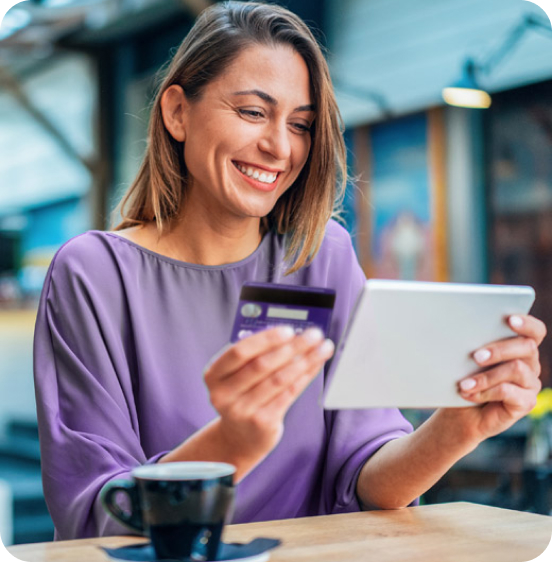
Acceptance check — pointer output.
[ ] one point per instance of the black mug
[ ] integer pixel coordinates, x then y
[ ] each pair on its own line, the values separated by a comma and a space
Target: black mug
181, 506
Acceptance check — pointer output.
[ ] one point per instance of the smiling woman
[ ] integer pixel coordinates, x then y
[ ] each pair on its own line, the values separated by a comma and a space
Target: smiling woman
244, 165
244, 146
251, 83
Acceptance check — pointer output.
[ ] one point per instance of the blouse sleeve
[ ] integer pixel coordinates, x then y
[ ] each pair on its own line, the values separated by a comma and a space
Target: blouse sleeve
88, 427
354, 435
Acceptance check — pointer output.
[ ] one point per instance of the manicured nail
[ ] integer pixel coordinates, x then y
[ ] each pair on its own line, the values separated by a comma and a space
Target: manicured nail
515, 321
314, 335
286, 332
481, 355
467, 384
327, 348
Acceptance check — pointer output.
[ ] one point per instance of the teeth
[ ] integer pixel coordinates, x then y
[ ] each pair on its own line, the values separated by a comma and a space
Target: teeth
265, 177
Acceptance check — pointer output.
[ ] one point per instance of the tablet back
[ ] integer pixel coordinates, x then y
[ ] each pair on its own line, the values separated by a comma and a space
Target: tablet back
409, 343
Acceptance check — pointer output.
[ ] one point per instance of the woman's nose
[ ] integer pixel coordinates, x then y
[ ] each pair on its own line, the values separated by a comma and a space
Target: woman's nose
276, 142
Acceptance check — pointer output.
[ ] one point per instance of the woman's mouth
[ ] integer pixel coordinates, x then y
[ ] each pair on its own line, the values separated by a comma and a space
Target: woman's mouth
262, 179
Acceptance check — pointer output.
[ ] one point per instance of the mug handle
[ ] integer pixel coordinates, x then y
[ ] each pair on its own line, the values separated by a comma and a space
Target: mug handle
132, 519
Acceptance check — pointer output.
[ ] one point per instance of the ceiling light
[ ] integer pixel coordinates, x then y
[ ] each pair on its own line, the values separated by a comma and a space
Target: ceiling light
467, 92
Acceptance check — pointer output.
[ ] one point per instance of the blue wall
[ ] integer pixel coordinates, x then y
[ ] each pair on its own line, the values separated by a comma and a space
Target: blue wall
52, 225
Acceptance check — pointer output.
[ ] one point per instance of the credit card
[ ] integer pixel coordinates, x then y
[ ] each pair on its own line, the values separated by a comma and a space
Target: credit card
267, 305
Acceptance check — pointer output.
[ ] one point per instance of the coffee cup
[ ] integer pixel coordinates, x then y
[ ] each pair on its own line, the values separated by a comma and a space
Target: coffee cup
181, 506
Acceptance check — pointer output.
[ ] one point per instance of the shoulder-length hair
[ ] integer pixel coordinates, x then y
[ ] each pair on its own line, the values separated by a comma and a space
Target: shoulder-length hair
219, 35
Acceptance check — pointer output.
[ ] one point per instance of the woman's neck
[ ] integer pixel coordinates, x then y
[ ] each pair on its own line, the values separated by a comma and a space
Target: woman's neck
213, 242
193, 240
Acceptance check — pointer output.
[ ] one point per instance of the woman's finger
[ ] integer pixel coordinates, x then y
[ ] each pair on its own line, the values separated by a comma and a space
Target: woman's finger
289, 379
507, 350
528, 326
512, 396
235, 356
265, 365
280, 403
517, 372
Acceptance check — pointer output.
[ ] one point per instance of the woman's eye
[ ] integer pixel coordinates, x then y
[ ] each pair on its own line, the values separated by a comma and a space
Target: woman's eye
301, 128
253, 113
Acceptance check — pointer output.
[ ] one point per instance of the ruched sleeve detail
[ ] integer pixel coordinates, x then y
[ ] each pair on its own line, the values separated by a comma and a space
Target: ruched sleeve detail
84, 384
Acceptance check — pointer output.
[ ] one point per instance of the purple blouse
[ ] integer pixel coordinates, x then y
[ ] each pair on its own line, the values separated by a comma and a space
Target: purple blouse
122, 337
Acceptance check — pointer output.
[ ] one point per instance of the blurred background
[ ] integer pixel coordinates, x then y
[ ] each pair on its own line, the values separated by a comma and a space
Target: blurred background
440, 192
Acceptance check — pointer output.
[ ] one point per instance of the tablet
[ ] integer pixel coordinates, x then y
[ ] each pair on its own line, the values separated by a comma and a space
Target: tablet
408, 343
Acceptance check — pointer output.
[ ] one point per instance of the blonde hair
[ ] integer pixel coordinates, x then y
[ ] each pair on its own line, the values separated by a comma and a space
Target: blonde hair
219, 35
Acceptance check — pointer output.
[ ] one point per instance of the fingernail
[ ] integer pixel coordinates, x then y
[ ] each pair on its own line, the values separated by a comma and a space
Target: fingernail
327, 348
467, 384
314, 335
481, 355
515, 321
286, 332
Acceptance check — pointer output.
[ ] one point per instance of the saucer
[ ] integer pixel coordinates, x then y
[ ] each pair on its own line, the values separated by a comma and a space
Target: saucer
255, 551
263, 557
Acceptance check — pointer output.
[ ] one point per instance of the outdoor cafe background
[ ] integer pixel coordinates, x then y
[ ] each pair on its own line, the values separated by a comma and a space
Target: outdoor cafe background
440, 192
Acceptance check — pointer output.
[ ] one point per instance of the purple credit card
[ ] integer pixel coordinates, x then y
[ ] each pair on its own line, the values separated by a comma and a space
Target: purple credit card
266, 305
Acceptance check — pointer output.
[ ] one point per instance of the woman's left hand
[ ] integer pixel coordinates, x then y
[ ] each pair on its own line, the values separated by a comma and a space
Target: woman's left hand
507, 388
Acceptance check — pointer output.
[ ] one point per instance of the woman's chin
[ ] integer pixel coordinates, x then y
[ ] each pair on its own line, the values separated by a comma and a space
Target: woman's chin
256, 211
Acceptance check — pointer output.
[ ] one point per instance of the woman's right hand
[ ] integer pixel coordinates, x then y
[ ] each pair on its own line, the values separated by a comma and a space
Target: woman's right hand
253, 383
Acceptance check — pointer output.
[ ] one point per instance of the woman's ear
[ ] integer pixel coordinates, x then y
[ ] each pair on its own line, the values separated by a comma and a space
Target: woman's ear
173, 106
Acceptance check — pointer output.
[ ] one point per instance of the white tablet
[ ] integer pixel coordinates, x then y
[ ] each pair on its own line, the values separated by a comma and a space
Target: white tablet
408, 343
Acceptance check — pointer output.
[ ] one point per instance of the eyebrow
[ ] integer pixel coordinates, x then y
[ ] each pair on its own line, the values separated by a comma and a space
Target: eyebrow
272, 101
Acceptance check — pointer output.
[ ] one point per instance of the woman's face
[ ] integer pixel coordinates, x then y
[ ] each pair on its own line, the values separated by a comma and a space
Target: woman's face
248, 136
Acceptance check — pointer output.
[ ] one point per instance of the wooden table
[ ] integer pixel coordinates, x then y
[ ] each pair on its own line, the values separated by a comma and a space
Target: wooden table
454, 532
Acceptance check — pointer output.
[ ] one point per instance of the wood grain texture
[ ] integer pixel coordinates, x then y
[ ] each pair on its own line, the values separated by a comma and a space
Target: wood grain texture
455, 532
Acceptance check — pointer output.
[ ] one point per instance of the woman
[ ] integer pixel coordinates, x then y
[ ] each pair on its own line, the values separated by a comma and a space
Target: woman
244, 165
